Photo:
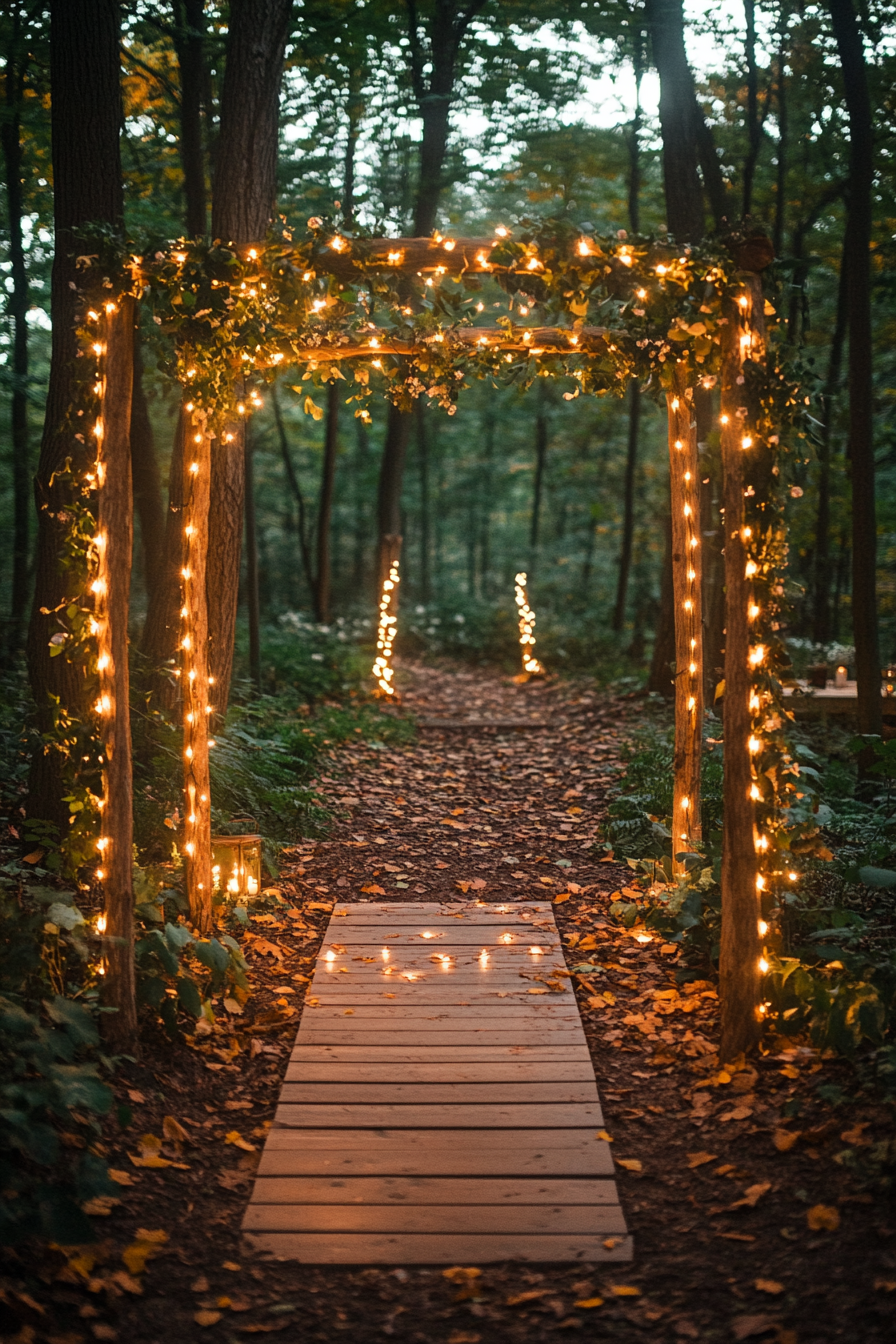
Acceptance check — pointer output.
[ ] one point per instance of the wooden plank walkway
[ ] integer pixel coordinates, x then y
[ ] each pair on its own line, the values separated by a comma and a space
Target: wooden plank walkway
440, 1104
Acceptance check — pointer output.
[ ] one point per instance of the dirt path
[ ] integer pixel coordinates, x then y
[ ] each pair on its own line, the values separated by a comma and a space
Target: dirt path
741, 1231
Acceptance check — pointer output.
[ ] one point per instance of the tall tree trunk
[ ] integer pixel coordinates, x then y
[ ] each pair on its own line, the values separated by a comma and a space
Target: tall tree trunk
754, 130
425, 530
17, 307
661, 663
681, 180
362, 451
189, 42
325, 506
821, 596
243, 194
541, 452
86, 115
161, 629
252, 597
297, 494
147, 482
783, 146
861, 386
628, 505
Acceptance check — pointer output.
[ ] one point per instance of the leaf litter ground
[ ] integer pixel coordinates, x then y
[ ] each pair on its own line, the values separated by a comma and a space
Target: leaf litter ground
756, 1195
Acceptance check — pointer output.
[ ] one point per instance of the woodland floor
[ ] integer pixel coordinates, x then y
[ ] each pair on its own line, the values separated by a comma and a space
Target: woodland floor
724, 1249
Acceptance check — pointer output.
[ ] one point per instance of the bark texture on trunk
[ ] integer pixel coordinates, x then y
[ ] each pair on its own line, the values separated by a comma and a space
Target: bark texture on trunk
628, 505
739, 975
325, 506
688, 605
821, 597
115, 531
196, 679
160, 631
243, 195
17, 307
85, 122
861, 387
189, 44
541, 453
754, 130
681, 180
253, 604
660, 679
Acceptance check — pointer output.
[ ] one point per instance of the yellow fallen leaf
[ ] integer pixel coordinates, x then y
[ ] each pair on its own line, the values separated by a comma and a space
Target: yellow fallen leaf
536, 991
374, 889
100, 1206
348, 1012
752, 1195
122, 1177
231, 1265
669, 949
174, 1131
885, 1285
205, 1318
790, 1071
700, 1159
236, 1138
146, 1244
460, 1273
564, 896
625, 1290
586, 1303
822, 1218
784, 1139
602, 1134
630, 1163
768, 1286
532, 1295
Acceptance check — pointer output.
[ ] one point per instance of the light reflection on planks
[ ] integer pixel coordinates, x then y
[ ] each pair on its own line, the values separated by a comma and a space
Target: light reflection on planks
438, 1111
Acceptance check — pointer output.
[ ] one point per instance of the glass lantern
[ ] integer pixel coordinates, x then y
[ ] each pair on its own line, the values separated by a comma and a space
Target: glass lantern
236, 865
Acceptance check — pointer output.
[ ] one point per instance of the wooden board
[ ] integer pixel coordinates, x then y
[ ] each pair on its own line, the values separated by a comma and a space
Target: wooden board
447, 1118
313, 1248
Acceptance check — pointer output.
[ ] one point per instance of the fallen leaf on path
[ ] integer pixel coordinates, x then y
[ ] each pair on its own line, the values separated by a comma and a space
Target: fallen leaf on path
136, 1097
199, 1285
174, 1131
856, 1135
752, 1195
532, 1295
602, 1134
464, 1337
372, 889
563, 896
885, 1285
234, 1137
586, 1303
206, 1318
748, 1327
822, 1218
630, 1163
700, 1159
150, 1154
624, 1290
768, 1286
784, 1139
460, 1273
147, 1243
122, 1177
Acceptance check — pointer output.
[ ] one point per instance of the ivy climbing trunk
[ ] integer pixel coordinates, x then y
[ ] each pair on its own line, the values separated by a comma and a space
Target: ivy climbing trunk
688, 606
115, 533
243, 194
86, 115
739, 976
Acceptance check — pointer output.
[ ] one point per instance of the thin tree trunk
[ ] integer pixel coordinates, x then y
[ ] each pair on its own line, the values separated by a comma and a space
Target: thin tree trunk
296, 489
85, 120
160, 632
739, 975
861, 386
146, 478
195, 677
252, 599
325, 506
423, 462
541, 452
821, 603
395, 446
782, 147
362, 451
628, 505
17, 307
754, 130
189, 42
661, 663
243, 194
115, 532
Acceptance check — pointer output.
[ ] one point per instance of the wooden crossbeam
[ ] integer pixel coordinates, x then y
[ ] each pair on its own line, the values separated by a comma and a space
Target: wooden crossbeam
524, 340
438, 255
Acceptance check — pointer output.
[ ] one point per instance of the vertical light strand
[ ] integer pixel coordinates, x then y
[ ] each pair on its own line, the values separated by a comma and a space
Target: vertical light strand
531, 666
195, 680
741, 962
688, 602
112, 548
383, 671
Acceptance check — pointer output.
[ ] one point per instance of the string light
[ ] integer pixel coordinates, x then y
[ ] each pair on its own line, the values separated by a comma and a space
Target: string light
531, 666
383, 671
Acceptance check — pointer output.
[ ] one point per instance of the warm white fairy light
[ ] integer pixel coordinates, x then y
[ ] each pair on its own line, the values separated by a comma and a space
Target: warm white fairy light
383, 671
531, 666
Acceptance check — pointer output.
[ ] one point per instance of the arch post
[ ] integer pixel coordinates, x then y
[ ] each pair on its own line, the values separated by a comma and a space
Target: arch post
739, 971
195, 679
688, 605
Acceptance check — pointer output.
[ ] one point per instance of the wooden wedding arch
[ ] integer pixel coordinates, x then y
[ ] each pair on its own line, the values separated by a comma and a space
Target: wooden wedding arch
401, 315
